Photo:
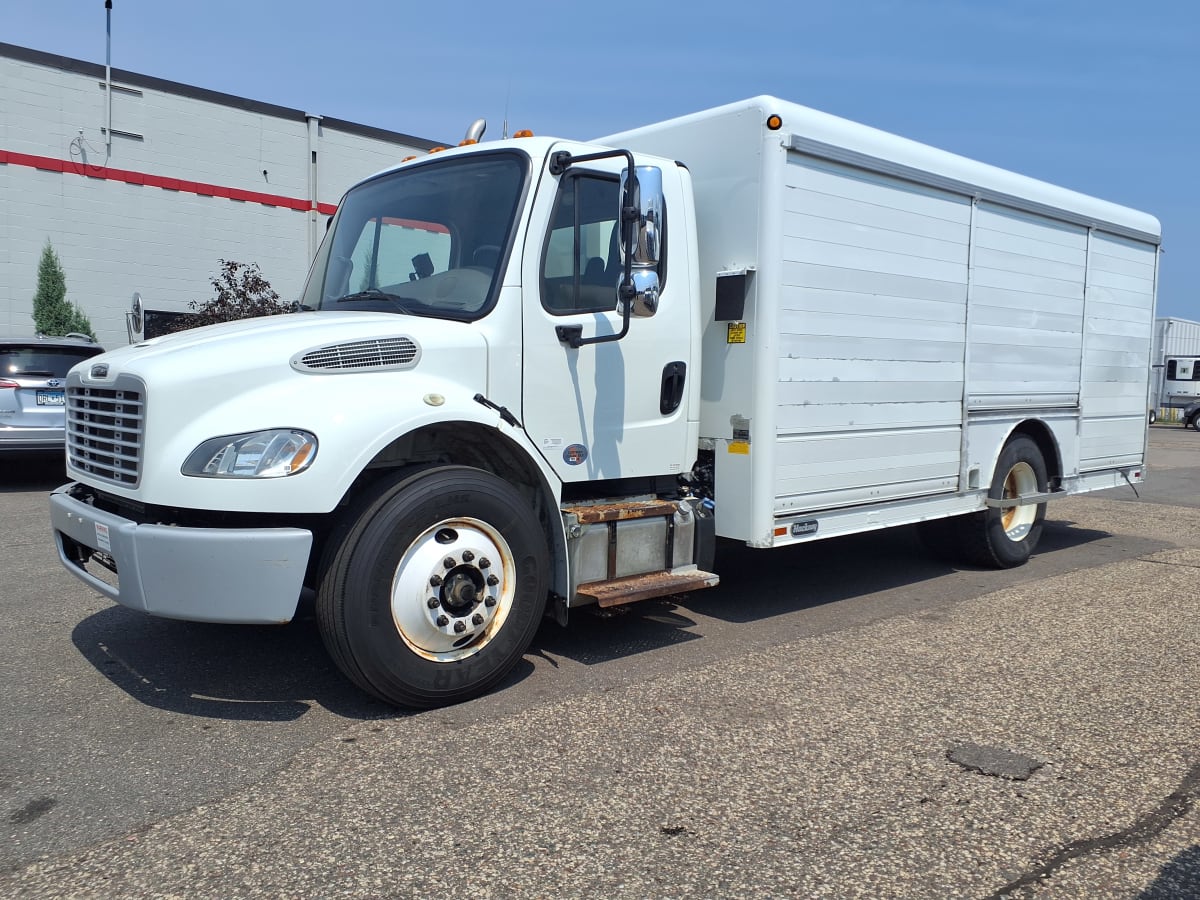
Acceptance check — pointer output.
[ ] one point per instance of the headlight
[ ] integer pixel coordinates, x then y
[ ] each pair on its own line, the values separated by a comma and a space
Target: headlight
260, 454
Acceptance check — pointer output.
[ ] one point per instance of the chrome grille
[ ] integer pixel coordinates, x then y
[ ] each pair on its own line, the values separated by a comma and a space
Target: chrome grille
355, 356
105, 428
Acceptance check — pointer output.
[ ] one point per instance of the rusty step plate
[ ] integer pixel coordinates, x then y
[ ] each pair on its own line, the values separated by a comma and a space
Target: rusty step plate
618, 512
643, 587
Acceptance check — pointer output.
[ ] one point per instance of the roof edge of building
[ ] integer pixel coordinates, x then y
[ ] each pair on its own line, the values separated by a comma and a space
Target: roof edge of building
136, 79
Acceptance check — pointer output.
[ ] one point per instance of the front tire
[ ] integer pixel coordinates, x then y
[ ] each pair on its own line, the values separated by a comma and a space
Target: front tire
1196, 421
1005, 538
436, 589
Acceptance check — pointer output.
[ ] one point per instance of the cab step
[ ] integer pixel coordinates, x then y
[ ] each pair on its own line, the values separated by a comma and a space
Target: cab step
642, 587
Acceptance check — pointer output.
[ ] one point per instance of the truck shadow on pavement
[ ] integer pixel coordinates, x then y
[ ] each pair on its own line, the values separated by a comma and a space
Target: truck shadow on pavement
269, 673
764, 585
758, 584
276, 673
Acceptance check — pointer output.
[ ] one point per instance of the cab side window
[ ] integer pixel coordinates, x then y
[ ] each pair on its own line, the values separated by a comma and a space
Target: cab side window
581, 263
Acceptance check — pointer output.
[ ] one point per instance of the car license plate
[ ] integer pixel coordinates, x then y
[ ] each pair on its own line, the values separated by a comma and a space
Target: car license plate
51, 398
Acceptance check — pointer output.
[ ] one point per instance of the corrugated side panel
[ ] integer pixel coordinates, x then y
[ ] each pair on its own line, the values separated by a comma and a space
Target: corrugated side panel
1026, 311
1120, 324
872, 324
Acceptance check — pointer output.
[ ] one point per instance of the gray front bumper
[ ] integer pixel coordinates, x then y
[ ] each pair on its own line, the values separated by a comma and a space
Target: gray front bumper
237, 575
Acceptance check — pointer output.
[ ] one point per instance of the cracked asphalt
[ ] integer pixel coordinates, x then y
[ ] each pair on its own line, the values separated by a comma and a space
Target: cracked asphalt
791, 733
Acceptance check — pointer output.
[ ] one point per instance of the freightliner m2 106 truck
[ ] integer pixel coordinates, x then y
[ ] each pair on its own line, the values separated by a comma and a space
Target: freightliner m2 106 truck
537, 375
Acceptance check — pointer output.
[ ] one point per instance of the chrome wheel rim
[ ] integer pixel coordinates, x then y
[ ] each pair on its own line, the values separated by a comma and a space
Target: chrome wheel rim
453, 589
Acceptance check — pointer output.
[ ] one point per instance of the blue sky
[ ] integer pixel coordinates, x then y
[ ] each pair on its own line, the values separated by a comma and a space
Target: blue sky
1102, 96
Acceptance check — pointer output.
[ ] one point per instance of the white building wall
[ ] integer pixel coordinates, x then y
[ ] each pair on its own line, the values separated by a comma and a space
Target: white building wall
193, 177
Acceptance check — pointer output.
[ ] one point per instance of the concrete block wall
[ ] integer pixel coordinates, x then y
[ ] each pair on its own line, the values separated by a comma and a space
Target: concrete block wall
192, 177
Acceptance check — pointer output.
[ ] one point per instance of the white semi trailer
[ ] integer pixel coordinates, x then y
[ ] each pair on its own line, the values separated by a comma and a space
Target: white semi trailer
540, 374
1180, 382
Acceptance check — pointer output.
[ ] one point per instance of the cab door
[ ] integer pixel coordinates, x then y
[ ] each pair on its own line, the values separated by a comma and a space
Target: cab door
607, 410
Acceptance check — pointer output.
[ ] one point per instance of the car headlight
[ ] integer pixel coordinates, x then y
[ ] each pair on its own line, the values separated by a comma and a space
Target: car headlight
260, 454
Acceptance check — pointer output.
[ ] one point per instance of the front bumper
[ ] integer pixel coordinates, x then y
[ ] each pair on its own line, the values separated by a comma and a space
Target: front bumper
235, 575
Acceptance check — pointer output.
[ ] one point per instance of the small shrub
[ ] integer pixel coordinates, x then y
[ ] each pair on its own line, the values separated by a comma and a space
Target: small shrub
53, 314
241, 293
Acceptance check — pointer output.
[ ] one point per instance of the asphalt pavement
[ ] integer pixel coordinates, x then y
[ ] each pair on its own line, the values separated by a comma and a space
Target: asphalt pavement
845, 719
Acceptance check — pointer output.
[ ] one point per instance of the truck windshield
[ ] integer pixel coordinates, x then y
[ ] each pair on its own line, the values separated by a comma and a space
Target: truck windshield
430, 239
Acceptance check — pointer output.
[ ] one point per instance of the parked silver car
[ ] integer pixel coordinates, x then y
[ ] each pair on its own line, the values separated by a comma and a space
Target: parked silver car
33, 377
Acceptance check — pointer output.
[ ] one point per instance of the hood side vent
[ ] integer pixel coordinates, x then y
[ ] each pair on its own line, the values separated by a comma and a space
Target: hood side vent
375, 355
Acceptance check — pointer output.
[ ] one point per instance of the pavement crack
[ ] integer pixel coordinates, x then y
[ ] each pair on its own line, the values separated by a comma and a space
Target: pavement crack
1147, 826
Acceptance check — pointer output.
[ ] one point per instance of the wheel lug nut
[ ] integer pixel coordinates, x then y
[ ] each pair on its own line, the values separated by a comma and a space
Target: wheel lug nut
484, 562
442, 621
492, 581
436, 581
448, 562
460, 626
468, 556
432, 603
489, 602
477, 619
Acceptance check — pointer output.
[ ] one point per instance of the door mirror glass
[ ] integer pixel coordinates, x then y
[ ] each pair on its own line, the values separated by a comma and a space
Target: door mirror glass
644, 196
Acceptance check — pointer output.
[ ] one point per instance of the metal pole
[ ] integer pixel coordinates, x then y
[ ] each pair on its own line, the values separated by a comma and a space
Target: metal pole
108, 76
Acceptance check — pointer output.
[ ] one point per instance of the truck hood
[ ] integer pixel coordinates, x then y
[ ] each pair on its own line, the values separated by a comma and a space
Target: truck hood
356, 380
249, 343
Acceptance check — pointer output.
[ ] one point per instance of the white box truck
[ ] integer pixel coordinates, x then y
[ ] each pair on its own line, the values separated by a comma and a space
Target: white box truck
536, 375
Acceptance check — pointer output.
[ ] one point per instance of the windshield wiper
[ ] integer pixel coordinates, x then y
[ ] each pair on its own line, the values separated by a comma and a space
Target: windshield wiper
376, 294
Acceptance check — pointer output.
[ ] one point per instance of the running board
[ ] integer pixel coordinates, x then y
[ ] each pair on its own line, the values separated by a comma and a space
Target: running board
643, 587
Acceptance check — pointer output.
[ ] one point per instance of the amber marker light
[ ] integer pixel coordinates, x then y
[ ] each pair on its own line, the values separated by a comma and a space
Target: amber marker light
524, 132
774, 122
436, 149
468, 142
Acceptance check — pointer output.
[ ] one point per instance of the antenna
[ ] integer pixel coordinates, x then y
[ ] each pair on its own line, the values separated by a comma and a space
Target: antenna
507, 96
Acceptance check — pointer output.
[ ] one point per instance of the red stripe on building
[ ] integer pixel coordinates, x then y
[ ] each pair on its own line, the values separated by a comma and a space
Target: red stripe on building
50, 164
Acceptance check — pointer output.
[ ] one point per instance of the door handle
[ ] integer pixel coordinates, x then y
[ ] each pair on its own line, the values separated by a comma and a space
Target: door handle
671, 395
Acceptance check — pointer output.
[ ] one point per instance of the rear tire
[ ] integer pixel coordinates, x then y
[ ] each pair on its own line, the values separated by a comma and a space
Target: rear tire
1005, 538
436, 589
1196, 421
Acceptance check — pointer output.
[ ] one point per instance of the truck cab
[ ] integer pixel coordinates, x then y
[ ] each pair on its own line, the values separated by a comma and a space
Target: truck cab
485, 406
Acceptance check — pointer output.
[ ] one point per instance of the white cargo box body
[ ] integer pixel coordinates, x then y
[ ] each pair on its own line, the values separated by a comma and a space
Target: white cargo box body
905, 309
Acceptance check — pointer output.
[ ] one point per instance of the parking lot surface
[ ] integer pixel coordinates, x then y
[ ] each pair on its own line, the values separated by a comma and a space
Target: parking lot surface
849, 718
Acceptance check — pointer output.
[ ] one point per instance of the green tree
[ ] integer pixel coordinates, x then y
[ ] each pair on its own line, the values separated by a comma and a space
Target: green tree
52, 312
241, 293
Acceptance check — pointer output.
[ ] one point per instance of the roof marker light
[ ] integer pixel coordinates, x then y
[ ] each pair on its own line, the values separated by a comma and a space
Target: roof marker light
523, 133
774, 123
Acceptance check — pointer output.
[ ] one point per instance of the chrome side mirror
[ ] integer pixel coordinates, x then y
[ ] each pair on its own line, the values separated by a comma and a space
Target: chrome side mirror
645, 197
642, 211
